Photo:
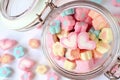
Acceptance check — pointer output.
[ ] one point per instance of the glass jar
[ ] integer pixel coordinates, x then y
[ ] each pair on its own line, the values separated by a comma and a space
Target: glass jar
107, 63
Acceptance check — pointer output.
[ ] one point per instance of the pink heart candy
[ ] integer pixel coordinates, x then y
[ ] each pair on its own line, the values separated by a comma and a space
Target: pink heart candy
84, 42
70, 41
80, 27
81, 14
68, 23
6, 44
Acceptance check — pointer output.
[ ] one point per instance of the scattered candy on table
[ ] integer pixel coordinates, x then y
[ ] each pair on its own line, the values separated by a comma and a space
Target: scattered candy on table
83, 37
6, 44
27, 76
52, 76
5, 72
34, 43
18, 52
6, 58
116, 3
26, 64
41, 69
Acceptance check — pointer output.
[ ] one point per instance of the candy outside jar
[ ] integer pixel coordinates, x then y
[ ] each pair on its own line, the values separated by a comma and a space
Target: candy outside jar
80, 38
81, 41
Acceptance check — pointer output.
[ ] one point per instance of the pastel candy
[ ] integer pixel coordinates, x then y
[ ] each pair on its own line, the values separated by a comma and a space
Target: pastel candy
67, 12
87, 55
67, 23
58, 49
34, 43
84, 66
88, 20
99, 23
26, 64
84, 42
27, 76
97, 55
93, 37
69, 65
97, 1
52, 76
5, 72
116, 3
70, 41
81, 14
102, 47
62, 34
73, 54
55, 27
80, 27
96, 32
6, 44
93, 14
6, 58
41, 69
18, 52
91, 30
106, 35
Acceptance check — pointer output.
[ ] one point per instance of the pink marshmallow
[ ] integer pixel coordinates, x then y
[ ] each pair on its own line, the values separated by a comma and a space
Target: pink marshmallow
6, 44
80, 27
84, 66
26, 64
84, 42
88, 20
67, 23
70, 41
81, 14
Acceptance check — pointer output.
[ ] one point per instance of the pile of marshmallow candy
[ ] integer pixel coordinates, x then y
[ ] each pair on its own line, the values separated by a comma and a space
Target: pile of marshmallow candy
79, 36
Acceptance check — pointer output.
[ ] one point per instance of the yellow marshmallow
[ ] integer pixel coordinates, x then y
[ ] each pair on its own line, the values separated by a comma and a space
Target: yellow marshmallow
106, 35
41, 69
87, 55
58, 49
68, 65
62, 34
93, 37
102, 47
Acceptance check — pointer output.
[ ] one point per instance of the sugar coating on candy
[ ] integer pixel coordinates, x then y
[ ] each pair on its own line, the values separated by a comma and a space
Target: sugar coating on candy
99, 23
55, 27
41, 69
73, 54
116, 3
102, 47
34, 43
87, 55
18, 52
6, 44
97, 55
84, 42
26, 64
93, 14
58, 49
62, 34
81, 14
69, 65
84, 66
67, 12
67, 23
5, 72
106, 35
80, 27
52, 76
6, 58
70, 41
27, 76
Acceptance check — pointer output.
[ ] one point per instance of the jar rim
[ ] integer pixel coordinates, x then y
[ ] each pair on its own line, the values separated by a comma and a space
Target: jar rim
115, 48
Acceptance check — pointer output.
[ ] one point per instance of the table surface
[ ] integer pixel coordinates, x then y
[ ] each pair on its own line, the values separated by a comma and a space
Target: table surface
23, 38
